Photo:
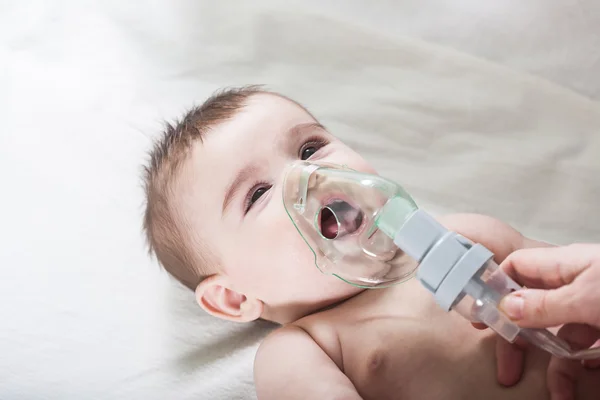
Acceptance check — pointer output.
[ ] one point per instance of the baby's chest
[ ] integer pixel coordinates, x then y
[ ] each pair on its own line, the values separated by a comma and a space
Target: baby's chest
403, 358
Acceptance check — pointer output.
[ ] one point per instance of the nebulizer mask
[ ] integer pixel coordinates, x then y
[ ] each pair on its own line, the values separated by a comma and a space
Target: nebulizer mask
369, 232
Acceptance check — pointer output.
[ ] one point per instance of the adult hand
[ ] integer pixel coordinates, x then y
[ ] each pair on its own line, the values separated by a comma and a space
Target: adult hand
562, 288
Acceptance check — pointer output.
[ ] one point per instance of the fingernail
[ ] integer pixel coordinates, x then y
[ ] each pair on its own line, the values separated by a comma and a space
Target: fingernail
513, 306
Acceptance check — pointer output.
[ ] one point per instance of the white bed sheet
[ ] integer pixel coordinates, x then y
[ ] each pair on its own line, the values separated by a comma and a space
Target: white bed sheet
474, 107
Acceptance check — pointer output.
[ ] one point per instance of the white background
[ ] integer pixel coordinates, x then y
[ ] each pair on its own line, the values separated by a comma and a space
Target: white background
474, 106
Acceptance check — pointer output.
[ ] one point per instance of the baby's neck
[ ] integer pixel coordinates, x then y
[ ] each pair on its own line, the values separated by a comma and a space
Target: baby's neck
403, 295
339, 302
410, 298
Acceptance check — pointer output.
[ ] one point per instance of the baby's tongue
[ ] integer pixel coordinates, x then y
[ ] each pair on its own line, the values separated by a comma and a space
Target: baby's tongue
329, 225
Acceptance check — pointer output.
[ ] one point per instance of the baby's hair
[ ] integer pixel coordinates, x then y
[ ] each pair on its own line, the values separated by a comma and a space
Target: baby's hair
165, 228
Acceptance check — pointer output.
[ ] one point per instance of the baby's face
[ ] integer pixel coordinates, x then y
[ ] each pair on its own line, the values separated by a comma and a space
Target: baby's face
233, 200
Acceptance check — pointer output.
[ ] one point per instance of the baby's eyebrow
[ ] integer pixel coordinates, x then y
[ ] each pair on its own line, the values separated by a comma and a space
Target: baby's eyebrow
300, 128
303, 128
289, 137
242, 176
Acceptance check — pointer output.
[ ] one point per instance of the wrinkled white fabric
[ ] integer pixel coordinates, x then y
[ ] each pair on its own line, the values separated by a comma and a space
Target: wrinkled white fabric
472, 106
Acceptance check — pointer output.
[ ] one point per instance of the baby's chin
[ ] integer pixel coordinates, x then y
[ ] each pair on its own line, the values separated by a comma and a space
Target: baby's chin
319, 298
337, 292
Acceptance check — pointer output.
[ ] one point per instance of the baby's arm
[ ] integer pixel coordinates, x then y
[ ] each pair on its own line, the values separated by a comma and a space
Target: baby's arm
290, 365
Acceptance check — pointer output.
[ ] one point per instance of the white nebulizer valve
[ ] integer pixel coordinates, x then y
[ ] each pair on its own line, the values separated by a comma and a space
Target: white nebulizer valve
463, 276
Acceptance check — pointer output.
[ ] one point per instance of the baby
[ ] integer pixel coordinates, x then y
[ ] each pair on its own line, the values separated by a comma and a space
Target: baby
216, 221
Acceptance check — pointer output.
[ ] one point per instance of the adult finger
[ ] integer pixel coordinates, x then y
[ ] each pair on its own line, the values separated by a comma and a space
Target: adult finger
562, 373
539, 308
549, 268
510, 361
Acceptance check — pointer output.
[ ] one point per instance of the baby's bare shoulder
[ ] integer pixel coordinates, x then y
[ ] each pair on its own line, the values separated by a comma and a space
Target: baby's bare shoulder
478, 225
501, 238
316, 330
289, 358
287, 341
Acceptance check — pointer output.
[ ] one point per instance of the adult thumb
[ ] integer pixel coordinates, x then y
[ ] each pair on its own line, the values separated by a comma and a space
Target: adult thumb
540, 308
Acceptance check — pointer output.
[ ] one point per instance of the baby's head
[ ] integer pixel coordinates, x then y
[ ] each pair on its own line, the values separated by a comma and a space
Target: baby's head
215, 217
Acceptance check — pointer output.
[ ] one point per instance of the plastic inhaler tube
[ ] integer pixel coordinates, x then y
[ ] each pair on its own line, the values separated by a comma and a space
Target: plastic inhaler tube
462, 276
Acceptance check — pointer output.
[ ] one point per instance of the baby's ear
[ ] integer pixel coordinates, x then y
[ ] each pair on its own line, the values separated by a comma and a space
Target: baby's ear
215, 296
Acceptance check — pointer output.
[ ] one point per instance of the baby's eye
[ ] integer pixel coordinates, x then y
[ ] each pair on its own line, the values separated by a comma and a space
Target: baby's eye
311, 147
307, 152
255, 193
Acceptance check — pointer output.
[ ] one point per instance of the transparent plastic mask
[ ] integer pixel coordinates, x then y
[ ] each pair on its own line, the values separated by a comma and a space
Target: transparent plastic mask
335, 209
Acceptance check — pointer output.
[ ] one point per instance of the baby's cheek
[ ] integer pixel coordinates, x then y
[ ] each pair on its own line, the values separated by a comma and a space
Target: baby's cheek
283, 238
287, 251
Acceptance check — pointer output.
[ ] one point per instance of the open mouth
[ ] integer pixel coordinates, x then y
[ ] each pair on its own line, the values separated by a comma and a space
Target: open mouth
338, 218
